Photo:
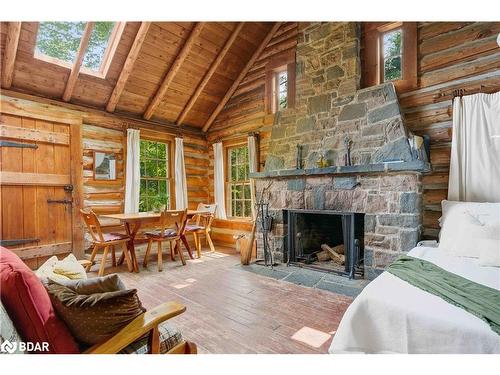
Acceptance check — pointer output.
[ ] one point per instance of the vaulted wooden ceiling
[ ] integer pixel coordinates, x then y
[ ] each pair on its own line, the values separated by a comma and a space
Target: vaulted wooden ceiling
175, 72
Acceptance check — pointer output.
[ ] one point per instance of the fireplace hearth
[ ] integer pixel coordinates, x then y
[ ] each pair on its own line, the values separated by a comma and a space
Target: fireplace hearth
326, 240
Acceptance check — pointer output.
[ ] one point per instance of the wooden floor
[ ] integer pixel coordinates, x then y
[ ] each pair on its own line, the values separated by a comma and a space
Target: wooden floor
230, 310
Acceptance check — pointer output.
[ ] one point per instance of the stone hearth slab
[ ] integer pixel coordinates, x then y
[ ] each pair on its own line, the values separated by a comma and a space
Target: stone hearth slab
310, 278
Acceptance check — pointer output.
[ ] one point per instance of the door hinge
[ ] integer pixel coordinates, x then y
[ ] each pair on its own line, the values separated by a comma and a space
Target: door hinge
17, 144
19, 241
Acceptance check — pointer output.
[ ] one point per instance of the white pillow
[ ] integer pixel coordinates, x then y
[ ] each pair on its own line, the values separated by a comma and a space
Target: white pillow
61, 270
488, 241
458, 223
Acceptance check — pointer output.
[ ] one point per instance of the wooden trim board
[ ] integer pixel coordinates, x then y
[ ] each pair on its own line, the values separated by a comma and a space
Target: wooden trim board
35, 135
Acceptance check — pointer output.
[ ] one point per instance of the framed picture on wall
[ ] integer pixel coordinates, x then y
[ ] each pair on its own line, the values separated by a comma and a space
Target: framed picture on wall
104, 165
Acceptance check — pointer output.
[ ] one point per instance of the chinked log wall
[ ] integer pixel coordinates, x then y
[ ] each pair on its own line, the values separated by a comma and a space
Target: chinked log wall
451, 55
106, 132
245, 113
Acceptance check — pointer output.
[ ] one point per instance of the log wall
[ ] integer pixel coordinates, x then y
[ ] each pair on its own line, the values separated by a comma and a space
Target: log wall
451, 55
245, 113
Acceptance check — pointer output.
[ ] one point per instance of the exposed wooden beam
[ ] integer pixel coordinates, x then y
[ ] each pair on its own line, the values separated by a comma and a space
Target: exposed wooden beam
240, 77
128, 66
174, 68
9, 57
75, 70
210, 72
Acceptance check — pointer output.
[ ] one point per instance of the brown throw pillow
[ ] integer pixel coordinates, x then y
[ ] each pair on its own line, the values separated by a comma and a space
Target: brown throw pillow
94, 310
103, 284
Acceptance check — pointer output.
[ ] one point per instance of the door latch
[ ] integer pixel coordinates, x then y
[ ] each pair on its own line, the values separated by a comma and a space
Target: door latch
62, 201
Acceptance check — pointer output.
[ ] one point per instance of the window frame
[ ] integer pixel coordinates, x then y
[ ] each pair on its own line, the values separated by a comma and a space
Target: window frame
373, 54
169, 177
382, 55
109, 53
227, 183
283, 62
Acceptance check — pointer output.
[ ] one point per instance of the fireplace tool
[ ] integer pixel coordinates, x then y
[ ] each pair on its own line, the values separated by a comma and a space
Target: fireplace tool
266, 222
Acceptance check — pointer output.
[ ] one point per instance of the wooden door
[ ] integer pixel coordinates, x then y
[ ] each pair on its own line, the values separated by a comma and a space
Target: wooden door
37, 191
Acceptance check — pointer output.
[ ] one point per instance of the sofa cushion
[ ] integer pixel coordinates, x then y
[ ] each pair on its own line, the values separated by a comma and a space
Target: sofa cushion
8, 334
170, 336
55, 269
94, 317
28, 305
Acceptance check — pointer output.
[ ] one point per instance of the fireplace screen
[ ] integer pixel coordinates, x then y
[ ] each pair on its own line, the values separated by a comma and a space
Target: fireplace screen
327, 240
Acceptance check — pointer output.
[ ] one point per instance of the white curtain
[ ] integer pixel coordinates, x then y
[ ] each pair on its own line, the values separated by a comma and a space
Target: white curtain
253, 166
475, 149
133, 176
181, 200
219, 180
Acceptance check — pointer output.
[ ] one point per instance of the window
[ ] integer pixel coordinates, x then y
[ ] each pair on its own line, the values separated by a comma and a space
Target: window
238, 182
389, 54
155, 175
280, 83
392, 49
281, 90
59, 42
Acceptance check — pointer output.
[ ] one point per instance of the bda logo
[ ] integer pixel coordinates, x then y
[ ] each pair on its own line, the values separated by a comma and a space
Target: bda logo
8, 347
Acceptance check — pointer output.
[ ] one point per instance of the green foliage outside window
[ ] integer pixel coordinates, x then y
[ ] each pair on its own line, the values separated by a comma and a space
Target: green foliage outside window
282, 90
239, 182
392, 44
154, 189
61, 40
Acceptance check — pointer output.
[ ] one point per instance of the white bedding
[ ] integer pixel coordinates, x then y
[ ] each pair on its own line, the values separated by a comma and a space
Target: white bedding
392, 316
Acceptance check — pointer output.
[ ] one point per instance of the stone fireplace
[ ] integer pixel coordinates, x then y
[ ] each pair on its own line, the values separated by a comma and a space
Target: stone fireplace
384, 180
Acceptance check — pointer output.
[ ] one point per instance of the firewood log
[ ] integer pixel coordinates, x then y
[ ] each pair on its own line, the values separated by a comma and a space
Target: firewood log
336, 257
339, 249
323, 256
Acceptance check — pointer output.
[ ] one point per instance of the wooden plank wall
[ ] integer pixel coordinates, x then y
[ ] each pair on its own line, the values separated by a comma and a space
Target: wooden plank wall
451, 55
245, 113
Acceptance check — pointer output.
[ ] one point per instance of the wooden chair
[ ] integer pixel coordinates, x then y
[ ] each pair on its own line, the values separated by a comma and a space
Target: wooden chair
202, 226
172, 226
106, 241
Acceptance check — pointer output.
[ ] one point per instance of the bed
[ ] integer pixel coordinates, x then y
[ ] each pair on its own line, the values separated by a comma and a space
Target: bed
393, 316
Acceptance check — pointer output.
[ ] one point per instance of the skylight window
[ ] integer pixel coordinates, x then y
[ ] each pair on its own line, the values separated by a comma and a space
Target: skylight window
99, 42
59, 42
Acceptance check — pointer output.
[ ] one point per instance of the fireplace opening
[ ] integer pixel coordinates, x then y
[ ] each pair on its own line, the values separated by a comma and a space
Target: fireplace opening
330, 241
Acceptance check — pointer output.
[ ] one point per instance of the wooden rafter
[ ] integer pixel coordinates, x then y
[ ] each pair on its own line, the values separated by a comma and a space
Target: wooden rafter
75, 70
10, 52
240, 77
128, 66
162, 90
210, 72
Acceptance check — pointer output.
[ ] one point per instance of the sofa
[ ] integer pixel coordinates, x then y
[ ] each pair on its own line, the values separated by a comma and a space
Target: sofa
27, 316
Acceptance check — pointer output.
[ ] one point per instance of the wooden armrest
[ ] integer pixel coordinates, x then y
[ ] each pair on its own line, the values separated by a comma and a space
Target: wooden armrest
137, 328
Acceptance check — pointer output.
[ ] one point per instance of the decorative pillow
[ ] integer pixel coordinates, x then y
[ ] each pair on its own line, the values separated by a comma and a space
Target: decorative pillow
459, 220
9, 338
29, 306
94, 317
70, 268
60, 270
103, 284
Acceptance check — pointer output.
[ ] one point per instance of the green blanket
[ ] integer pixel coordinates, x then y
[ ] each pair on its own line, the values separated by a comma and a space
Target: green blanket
477, 299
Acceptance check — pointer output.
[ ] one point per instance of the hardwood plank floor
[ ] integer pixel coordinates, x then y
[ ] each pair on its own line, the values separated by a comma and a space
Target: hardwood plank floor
230, 310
